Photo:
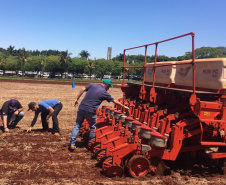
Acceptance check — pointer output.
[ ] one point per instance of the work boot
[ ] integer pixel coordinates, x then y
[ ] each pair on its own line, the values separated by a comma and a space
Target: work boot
12, 125
71, 148
56, 134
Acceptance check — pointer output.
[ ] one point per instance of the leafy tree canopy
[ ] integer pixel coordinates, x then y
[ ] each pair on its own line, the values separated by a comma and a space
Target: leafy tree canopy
53, 64
78, 65
103, 67
60, 61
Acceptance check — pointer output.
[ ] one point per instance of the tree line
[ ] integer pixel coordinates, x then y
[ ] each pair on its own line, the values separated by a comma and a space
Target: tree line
59, 62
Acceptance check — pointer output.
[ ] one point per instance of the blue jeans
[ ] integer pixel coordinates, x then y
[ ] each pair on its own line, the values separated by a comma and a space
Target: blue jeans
90, 117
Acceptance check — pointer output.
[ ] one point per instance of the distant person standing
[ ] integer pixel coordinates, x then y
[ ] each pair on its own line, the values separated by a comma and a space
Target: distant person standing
12, 111
48, 108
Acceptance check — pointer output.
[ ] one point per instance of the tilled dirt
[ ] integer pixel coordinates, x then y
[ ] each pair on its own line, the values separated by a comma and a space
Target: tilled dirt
41, 158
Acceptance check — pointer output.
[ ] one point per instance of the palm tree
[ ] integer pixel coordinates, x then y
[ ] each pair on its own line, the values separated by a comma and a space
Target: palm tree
22, 56
10, 49
42, 62
2, 65
90, 66
84, 54
65, 59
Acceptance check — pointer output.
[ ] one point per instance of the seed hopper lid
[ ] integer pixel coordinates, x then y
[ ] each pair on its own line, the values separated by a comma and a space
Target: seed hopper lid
157, 134
129, 118
145, 127
136, 122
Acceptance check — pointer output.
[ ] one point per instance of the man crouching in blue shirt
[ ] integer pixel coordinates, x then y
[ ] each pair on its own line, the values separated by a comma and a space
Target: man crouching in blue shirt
95, 94
47, 108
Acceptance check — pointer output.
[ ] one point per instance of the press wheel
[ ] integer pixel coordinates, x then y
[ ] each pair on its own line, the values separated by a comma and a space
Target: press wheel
92, 148
96, 148
107, 162
100, 154
138, 166
114, 171
157, 166
91, 142
102, 160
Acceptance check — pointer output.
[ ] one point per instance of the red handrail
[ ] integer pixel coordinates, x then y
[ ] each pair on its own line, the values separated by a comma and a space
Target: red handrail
160, 65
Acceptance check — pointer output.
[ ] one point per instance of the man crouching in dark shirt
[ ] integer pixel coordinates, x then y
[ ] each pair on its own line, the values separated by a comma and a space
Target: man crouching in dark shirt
12, 111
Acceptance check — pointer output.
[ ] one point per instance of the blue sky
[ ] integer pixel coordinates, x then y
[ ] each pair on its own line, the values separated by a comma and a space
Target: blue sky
95, 25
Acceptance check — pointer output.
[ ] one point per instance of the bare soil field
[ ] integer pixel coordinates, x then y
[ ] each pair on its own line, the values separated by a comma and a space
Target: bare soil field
41, 158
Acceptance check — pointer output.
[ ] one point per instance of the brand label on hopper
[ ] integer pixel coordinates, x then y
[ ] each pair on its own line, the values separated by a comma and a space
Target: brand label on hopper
212, 72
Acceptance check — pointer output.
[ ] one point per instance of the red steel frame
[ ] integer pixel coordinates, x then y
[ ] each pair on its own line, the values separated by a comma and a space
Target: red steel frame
153, 94
193, 99
114, 156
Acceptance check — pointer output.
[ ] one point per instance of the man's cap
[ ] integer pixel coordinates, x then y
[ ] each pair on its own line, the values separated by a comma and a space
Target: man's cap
12, 104
31, 105
108, 82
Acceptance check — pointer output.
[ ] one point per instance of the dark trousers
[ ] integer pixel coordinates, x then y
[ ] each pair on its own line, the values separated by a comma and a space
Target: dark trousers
15, 119
57, 108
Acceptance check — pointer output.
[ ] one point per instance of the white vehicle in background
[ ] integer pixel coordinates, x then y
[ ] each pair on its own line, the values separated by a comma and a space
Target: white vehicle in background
69, 76
107, 76
31, 73
1, 72
10, 73
27, 73
82, 76
43, 74
20, 73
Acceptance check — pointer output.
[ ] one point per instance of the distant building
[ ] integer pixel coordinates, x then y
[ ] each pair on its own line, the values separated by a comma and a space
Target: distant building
109, 53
